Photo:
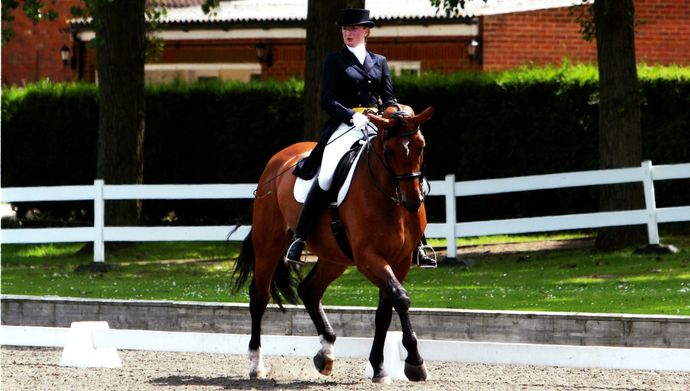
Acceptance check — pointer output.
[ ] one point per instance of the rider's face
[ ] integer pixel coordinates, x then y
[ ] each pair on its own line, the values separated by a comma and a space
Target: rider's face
354, 35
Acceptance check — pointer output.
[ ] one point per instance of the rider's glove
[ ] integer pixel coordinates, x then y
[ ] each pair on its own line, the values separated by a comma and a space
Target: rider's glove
359, 120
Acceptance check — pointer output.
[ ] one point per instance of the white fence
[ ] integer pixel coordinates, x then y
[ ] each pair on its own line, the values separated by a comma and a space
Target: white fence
448, 188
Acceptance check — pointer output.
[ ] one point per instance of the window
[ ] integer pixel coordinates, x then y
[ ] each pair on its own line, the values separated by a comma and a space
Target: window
166, 73
400, 68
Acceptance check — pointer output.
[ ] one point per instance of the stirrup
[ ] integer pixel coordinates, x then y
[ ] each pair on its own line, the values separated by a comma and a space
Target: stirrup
425, 261
294, 254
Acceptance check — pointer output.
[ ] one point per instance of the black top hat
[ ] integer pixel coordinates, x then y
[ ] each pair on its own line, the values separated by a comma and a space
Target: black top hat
354, 17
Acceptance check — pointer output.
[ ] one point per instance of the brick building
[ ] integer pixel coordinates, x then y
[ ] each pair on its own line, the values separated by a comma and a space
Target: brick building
251, 39
34, 52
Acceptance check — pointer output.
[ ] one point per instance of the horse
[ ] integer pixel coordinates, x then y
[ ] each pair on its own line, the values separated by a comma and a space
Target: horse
384, 218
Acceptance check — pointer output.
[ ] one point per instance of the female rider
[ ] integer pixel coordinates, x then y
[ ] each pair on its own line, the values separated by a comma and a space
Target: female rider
353, 81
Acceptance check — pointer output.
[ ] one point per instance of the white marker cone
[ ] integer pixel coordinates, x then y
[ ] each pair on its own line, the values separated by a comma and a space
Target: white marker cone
79, 350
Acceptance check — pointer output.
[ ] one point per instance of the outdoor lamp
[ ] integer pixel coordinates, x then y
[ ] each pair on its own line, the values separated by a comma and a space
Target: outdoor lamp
474, 51
64, 54
264, 53
472, 48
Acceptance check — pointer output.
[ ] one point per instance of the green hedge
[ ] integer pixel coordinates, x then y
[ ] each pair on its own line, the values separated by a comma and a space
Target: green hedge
540, 121
525, 122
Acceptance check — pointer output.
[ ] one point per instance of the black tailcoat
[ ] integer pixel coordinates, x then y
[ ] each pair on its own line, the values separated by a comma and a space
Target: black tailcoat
345, 84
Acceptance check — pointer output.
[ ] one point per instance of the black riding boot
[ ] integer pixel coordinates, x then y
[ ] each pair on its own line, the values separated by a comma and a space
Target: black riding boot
424, 261
317, 199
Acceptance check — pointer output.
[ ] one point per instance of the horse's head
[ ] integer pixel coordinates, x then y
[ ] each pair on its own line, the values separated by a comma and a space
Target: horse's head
402, 144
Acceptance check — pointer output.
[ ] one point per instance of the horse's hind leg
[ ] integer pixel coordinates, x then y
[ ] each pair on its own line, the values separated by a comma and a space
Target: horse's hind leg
268, 252
257, 307
311, 290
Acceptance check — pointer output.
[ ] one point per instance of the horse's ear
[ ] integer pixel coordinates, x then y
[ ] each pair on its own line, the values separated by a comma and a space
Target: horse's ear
380, 122
423, 116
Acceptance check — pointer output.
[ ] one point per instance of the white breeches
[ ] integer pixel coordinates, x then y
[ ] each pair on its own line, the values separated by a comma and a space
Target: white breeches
340, 142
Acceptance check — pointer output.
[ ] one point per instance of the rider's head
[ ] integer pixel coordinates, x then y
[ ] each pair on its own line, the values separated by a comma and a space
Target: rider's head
355, 25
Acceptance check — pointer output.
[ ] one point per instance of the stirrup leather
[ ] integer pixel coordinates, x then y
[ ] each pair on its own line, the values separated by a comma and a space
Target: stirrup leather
294, 252
424, 251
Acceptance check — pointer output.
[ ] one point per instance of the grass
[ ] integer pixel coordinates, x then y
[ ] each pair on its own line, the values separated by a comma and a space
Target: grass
563, 280
499, 239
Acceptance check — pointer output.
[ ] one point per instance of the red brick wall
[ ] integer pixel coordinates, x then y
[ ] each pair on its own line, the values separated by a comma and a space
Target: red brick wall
438, 54
34, 52
288, 60
533, 38
663, 33
550, 36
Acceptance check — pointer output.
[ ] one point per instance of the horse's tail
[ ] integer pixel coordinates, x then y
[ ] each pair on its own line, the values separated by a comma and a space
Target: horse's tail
283, 284
244, 266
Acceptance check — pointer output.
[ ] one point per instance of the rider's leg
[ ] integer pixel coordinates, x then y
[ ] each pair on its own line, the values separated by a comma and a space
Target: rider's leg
423, 260
316, 201
340, 142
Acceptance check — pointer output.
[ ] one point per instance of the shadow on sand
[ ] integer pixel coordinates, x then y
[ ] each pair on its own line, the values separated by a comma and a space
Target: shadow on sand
237, 383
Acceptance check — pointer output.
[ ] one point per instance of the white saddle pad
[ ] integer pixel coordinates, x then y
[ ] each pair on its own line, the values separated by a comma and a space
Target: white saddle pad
302, 186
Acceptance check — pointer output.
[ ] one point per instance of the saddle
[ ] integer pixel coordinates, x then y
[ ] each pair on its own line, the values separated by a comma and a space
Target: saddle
339, 179
341, 183
344, 166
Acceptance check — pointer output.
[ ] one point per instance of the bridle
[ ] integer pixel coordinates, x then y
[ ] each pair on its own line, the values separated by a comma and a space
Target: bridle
395, 178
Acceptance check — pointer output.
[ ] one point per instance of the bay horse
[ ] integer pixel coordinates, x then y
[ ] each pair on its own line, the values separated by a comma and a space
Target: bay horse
384, 218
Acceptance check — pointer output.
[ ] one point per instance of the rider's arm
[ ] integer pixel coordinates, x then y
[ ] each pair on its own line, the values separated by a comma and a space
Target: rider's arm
386, 93
329, 85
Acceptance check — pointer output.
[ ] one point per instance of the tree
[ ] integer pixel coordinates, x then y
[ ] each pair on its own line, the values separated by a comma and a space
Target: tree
612, 22
322, 37
121, 45
620, 134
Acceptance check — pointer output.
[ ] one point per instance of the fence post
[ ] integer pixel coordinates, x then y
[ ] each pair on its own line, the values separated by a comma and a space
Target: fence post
650, 202
98, 221
451, 216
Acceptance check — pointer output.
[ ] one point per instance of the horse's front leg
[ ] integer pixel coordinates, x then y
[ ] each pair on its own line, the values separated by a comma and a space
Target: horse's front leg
415, 369
393, 294
384, 314
311, 290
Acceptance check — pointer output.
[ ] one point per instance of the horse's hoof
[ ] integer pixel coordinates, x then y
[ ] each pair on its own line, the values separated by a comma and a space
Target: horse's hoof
381, 379
257, 369
416, 372
323, 363
258, 374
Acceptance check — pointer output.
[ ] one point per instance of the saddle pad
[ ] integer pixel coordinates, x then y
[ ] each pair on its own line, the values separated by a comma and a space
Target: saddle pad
302, 186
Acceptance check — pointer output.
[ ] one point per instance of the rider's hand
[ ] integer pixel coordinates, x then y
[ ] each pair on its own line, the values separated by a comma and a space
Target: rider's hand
359, 120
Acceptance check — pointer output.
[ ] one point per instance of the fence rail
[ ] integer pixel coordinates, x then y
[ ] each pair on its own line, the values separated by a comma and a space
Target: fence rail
99, 192
660, 359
